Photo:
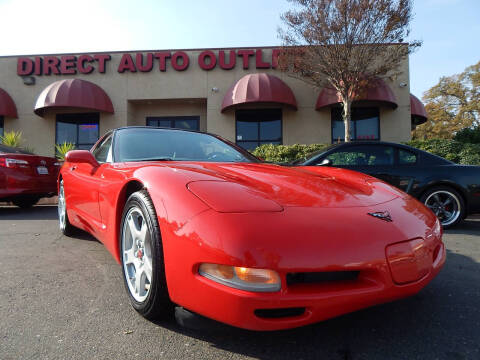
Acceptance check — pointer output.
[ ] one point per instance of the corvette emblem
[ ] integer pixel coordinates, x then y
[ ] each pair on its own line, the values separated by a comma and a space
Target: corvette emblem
382, 215
43, 162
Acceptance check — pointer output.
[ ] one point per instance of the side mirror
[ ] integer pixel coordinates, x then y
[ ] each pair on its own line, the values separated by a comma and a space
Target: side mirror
81, 156
325, 162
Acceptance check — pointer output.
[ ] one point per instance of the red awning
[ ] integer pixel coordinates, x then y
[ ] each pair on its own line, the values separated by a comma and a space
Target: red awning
259, 88
7, 106
418, 112
73, 93
379, 92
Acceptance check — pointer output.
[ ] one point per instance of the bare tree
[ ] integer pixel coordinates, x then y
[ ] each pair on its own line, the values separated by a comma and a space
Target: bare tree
345, 44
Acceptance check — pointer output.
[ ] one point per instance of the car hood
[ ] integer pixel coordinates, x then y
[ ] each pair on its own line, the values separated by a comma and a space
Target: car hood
241, 184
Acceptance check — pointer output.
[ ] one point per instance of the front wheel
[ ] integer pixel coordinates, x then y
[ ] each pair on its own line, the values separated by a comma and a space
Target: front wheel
142, 258
66, 228
447, 204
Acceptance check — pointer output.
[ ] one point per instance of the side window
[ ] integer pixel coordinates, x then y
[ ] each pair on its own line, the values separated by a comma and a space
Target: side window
363, 156
406, 157
103, 151
380, 155
349, 157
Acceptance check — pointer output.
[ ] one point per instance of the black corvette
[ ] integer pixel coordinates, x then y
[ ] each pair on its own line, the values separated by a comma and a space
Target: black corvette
450, 190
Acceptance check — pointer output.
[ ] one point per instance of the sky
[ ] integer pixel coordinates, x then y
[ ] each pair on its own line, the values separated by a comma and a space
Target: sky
449, 29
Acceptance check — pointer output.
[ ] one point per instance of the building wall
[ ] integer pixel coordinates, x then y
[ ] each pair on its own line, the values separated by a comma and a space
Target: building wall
138, 95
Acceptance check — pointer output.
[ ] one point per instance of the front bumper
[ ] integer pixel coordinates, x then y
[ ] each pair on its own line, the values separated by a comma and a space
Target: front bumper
269, 241
271, 311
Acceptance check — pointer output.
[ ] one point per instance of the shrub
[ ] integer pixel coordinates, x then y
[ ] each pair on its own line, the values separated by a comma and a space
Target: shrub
286, 153
446, 148
12, 138
62, 149
470, 154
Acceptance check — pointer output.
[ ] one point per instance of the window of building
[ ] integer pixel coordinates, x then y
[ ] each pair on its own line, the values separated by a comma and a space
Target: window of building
1, 126
365, 124
178, 122
82, 130
258, 127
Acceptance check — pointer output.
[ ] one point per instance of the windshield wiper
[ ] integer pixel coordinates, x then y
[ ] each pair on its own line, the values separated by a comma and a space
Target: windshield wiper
157, 159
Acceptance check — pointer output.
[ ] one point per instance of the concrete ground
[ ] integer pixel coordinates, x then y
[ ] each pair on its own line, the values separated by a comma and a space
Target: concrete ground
63, 298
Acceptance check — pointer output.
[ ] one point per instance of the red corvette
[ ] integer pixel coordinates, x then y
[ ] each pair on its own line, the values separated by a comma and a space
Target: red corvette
196, 221
25, 178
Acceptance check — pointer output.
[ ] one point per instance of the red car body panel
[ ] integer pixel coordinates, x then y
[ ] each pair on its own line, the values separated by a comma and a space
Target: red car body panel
25, 179
291, 220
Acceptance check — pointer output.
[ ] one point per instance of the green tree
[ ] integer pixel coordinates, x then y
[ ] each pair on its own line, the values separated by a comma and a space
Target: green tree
452, 105
345, 44
469, 135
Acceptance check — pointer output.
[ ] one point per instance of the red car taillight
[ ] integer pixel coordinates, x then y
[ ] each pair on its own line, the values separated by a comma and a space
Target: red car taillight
14, 163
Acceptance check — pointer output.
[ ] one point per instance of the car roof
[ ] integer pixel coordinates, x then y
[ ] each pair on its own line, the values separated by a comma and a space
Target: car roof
434, 159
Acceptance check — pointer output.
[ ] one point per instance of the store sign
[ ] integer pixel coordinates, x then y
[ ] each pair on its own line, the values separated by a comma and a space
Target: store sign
146, 62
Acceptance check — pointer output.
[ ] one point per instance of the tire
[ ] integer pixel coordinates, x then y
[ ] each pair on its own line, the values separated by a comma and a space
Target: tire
141, 254
446, 203
66, 228
25, 202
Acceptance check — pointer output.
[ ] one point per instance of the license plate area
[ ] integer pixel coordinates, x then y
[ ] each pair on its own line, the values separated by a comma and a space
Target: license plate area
42, 170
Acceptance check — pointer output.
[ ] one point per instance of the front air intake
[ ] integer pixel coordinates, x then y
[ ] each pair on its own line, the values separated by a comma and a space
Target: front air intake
321, 277
279, 313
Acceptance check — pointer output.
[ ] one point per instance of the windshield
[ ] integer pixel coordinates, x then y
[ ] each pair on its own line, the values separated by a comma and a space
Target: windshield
144, 144
312, 155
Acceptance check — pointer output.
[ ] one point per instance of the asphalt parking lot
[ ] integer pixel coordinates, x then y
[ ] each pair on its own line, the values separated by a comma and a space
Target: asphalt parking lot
63, 298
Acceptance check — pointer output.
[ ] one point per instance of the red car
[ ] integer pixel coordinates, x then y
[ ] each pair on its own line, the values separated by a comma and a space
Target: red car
25, 177
197, 221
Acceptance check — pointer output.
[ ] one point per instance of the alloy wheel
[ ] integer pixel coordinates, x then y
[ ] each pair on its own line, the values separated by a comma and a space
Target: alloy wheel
445, 205
61, 207
137, 254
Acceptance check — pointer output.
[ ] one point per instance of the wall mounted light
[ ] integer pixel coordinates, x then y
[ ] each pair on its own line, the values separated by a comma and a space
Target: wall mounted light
28, 80
402, 84
215, 90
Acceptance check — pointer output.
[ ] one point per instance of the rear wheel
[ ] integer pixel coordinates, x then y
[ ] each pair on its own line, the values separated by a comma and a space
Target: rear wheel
142, 258
25, 202
65, 227
446, 203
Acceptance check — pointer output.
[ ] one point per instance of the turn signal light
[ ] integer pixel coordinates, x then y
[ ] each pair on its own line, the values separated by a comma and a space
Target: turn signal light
249, 279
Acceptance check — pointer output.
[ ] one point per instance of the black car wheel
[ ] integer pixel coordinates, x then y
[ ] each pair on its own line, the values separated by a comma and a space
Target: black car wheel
447, 204
142, 258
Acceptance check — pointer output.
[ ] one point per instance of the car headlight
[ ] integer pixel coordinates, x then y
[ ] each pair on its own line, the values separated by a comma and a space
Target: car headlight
435, 232
437, 229
249, 279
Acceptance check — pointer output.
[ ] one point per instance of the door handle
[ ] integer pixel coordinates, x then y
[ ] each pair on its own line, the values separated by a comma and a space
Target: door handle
73, 168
